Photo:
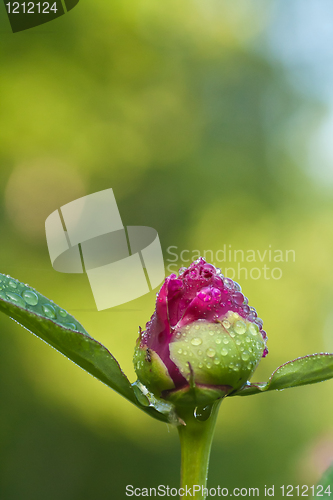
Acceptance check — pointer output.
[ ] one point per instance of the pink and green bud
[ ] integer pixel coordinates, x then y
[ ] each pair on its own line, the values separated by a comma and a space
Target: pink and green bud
203, 340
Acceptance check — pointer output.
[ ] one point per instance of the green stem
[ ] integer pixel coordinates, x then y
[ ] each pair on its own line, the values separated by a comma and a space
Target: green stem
196, 441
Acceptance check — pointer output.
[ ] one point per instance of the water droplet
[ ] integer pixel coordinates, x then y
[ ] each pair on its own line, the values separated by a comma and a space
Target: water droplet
185, 353
245, 356
200, 365
226, 341
210, 352
240, 327
49, 311
30, 297
199, 353
226, 324
205, 297
12, 284
228, 283
196, 327
249, 366
3, 295
218, 340
238, 342
211, 332
209, 365
180, 351
17, 299
238, 298
202, 412
140, 396
216, 361
72, 326
259, 322
224, 351
253, 329
178, 335
232, 333
196, 341
62, 313
231, 365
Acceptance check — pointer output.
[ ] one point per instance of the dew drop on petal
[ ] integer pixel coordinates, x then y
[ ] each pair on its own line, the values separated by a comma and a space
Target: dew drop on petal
210, 352
224, 352
245, 356
196, 341
12, 284
238, 298
62, 313
240, 327
253, 328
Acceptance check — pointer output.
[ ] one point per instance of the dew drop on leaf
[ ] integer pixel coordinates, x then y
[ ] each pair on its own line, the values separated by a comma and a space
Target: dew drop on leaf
17, 299
30, 297
49, 311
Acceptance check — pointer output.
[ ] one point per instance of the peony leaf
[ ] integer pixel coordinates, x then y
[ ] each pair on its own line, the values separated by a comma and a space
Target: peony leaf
62, 331
300, 371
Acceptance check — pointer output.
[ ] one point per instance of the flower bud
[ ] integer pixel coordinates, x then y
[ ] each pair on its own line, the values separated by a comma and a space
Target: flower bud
203, 340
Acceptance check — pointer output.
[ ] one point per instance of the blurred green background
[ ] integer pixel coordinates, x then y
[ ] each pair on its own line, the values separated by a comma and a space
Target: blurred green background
212, 122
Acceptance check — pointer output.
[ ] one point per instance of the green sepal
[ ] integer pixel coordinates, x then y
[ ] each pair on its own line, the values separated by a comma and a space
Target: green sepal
305, 370
195, 395
151, 370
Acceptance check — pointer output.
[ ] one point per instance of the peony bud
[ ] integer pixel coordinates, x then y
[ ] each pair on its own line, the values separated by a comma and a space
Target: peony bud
203, 340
